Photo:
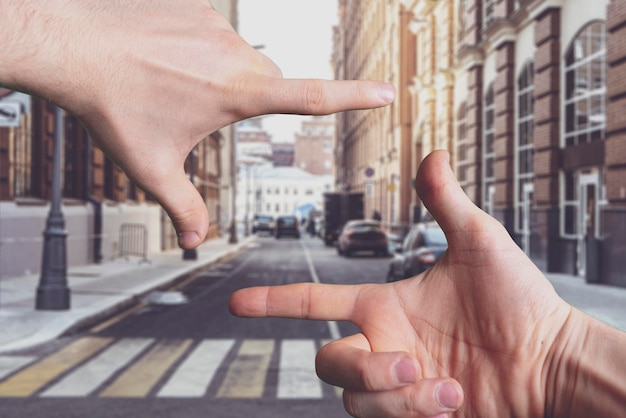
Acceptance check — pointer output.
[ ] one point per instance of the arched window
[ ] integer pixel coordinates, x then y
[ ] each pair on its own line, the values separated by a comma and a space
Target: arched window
585, 86
489, 151
524, 151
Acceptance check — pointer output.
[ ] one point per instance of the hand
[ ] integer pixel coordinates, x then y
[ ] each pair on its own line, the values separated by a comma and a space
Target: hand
478, 333
149, 80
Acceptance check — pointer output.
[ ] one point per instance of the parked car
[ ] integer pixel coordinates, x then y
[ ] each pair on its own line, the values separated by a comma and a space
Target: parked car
263, 223
362, 235
287, 226
423, 246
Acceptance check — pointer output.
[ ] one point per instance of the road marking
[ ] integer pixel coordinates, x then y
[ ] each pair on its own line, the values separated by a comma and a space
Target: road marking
9, 364
193, 377
87, 378
297, 378
34, 377
140, 378
117, 318
332, 325
247, 373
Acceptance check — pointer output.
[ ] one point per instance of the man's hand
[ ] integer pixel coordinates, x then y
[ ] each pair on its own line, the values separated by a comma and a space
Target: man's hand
483, 319
150, 79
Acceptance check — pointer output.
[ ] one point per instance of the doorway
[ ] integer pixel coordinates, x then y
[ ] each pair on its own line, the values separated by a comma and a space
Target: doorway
588, 219
526, 205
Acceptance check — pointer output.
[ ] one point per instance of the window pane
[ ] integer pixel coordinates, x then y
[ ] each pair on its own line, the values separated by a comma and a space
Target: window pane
570, 221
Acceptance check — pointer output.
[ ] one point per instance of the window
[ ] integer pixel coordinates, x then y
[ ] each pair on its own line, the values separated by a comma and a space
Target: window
462, 20
585, 86
524, 148
488, 151
462, 144
22, 162
488, 13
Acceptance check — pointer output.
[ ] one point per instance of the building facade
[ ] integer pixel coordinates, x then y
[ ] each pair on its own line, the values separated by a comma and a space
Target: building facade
527, 97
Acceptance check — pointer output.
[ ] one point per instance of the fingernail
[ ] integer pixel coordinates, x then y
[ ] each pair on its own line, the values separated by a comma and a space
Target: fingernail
387, 93
447, 395
405, 371
188, 239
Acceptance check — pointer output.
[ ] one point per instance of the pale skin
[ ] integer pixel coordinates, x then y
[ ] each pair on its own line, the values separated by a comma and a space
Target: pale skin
481, 334
149, 80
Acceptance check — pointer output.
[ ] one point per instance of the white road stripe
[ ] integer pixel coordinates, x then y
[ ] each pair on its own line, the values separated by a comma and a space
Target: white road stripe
297, 378
9, 364
193, 377
332, 325
92, 374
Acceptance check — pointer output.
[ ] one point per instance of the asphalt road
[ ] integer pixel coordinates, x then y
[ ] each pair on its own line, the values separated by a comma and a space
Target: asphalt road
182, 354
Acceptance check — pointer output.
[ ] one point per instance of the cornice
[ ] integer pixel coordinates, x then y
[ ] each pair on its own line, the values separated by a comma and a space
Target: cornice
470, 56
538, 7
501, 31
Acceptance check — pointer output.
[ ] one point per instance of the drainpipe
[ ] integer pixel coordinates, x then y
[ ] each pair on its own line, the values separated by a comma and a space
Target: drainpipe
95, 202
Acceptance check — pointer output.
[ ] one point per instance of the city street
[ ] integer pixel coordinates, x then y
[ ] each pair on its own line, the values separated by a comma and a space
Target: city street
179, 352
184, 354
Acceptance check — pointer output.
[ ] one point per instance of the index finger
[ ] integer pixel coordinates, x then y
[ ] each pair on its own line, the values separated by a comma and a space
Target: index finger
299, 301
317, 97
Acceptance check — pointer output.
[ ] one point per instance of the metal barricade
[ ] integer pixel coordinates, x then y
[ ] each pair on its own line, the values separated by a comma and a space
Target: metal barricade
133, 241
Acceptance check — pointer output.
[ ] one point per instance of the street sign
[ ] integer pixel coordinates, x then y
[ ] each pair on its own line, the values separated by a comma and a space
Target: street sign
369, 172
9, 114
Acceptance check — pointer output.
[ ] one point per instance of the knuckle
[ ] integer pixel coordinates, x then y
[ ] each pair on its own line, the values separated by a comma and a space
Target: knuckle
314, 97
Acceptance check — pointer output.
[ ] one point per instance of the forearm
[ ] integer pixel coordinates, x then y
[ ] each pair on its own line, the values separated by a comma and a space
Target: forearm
593, 374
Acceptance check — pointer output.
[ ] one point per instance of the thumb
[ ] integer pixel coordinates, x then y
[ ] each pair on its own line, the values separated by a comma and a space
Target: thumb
442, 195
185, 207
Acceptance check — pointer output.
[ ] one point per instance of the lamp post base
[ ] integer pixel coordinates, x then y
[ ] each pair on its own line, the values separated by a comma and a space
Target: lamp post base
190, 254
53, 299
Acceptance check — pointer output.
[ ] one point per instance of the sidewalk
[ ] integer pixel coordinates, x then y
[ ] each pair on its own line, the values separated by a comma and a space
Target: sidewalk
97, 290
606, 303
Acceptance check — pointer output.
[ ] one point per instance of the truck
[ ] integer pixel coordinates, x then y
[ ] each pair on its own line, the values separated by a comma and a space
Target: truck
339, 208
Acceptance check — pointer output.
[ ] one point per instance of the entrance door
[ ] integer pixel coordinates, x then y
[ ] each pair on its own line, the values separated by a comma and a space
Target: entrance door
527, 199
589, 196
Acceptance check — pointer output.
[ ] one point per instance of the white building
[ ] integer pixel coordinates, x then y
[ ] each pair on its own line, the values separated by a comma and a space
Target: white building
278, 190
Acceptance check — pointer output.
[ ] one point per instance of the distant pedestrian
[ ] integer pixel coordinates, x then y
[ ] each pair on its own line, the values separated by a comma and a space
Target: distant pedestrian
376, 216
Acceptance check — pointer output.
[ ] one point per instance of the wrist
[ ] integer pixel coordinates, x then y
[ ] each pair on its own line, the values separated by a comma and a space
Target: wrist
587, 370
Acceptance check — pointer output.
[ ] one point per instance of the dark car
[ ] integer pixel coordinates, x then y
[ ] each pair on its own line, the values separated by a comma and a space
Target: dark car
287, 226
362, 235
263, 223
423, 246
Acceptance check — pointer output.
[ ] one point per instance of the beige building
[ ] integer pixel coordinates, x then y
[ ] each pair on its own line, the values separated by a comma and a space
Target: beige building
370, 142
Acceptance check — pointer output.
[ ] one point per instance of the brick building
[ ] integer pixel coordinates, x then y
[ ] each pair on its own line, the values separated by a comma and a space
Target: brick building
313, 147
527, 95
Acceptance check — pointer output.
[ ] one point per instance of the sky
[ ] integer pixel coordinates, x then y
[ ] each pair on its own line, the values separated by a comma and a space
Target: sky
297, 36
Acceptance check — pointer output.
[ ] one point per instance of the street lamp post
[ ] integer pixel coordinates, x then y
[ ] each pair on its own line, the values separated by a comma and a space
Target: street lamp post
233, 178
247, 224
233, 187
191, 254
52, 291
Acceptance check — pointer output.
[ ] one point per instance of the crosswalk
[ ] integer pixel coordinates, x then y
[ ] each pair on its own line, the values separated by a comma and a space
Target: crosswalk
102, 367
